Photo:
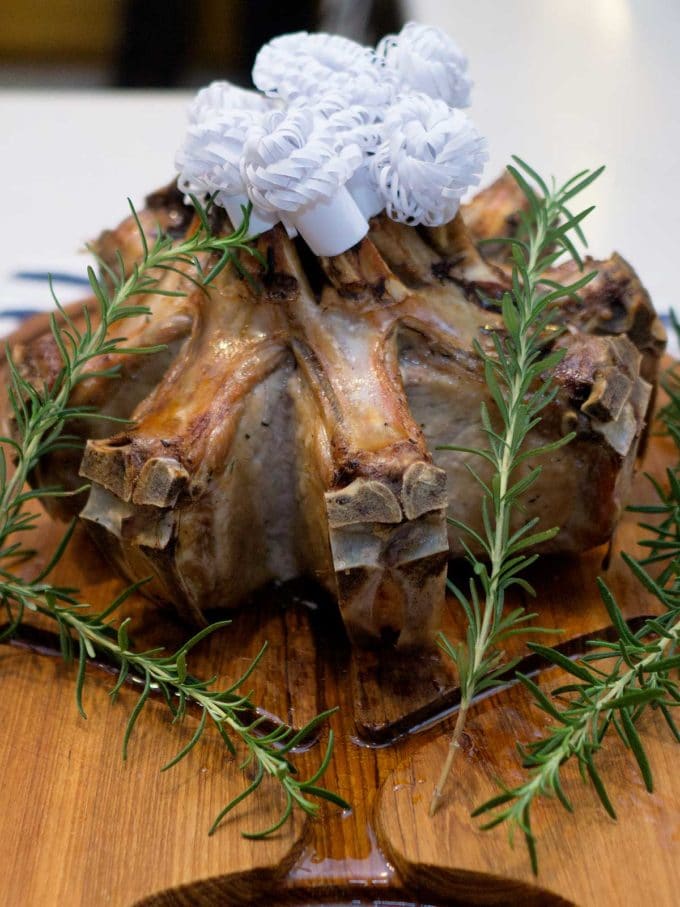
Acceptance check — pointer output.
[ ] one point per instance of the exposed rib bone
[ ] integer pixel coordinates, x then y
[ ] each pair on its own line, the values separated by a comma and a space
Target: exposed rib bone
184, 440
292, 430
374, 466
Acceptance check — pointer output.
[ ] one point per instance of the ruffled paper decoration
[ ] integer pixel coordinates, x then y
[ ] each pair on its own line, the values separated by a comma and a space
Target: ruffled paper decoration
300, 63
431, 154
293, 163
220, 98
209, 161
426, 59
354, 125
337, 133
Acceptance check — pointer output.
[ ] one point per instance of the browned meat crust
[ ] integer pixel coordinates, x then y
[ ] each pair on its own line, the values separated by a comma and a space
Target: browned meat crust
295, 430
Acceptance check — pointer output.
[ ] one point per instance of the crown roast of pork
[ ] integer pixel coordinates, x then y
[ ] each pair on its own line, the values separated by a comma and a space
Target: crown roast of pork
291, 425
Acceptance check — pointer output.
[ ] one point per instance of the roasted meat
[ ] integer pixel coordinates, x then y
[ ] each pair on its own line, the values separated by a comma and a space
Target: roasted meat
291, 425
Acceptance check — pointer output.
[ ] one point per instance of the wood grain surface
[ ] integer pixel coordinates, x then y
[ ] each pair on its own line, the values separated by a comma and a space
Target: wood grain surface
80, 827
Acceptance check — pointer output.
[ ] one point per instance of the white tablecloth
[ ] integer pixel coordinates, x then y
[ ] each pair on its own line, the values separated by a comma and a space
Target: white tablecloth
566, 85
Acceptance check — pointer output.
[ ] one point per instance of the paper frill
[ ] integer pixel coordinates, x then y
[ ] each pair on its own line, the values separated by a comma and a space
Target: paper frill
426, 59
343, 83
293, 164
364, 190
430, 156
337, 133
301, 64
354, 124
219, 98
209, 160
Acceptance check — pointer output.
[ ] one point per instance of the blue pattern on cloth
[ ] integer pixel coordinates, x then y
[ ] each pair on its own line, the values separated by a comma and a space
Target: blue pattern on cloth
26, 292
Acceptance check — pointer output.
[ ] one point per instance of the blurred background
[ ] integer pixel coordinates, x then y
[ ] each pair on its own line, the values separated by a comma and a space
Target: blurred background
93, 98
164, 43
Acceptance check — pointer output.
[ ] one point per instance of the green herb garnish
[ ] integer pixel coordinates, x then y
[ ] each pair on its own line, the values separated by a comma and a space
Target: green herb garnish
40, 415
518, 376
614, 685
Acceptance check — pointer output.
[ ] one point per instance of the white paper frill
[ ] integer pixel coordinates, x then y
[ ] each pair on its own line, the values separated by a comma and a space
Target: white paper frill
209, 160
337, 133
426, 59
219, 98
342, 83
304, 65
430, 156
292, 163
354, 124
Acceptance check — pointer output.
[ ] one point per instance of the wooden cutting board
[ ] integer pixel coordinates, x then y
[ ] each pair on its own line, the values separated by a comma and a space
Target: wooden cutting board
80, 827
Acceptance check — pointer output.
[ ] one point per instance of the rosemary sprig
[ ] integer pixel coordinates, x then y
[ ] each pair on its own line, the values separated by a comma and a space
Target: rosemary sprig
518, 376
640, 669
40, 415
84, 633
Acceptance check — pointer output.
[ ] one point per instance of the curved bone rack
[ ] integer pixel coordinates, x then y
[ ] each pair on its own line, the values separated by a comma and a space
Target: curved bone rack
295, 431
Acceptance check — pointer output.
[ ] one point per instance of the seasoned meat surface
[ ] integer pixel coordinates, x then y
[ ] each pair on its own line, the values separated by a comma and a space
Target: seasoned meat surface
291, 424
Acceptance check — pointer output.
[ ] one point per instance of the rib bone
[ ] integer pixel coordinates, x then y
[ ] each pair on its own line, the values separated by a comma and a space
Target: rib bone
294, 423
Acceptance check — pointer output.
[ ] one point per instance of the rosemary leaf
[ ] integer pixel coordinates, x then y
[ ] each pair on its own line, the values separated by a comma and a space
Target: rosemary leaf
641, 667
519, 381
40, 415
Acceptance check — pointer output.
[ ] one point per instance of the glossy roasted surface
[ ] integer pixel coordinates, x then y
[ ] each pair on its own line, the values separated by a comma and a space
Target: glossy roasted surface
292, 424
